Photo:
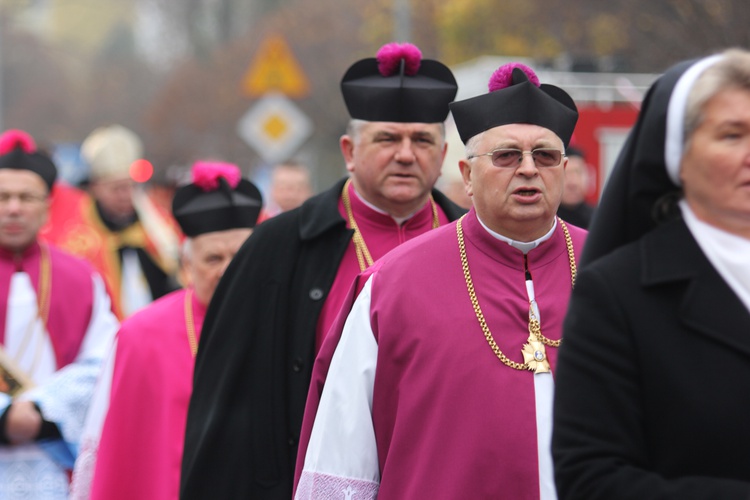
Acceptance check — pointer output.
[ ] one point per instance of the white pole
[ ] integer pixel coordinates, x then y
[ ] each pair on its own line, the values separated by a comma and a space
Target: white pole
402, 21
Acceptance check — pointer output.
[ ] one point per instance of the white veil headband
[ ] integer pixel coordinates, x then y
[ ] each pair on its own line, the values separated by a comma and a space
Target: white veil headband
674, 140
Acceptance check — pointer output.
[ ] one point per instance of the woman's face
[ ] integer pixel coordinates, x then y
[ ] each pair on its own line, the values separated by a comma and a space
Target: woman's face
715, 168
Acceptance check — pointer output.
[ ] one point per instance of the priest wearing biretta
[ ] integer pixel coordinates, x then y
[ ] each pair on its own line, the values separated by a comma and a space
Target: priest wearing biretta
56, 326
137, 422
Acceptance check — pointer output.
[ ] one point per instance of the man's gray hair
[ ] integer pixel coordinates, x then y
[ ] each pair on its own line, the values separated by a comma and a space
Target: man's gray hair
472, 145
186, 250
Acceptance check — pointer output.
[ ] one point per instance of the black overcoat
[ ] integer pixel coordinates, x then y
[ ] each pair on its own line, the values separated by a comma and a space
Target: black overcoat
256, 353
653, 378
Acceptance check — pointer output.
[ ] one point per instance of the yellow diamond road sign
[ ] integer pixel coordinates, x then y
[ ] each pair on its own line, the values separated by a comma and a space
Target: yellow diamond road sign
274, 127
275, 69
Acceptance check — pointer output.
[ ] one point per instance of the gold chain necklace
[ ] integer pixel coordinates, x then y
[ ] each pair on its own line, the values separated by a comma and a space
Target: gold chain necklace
45, 283
534, 356
190, 323
363, 254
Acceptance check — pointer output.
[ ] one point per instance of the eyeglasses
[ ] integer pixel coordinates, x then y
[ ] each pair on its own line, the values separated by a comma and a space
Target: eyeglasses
511, 157
23, 198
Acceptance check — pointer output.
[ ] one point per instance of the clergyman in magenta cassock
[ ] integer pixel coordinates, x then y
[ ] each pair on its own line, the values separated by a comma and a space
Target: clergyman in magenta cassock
135, 432
438, 382
56, 325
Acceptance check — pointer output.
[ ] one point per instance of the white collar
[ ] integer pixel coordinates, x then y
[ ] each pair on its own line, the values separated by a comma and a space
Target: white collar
727, 252
399, 220
523, 246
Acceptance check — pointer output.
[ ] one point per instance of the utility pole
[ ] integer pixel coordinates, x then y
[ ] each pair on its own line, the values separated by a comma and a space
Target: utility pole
402, 20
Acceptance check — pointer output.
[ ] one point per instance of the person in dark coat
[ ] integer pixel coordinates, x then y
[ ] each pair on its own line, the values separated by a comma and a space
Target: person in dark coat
653, 374
285, 286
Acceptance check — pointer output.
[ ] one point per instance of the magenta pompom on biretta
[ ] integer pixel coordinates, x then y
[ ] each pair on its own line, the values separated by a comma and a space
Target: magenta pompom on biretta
16, 139
391, 55
503, 76
18, 151
206, 174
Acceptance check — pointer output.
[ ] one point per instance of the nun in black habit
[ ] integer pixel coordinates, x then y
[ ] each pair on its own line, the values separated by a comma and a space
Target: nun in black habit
653, 376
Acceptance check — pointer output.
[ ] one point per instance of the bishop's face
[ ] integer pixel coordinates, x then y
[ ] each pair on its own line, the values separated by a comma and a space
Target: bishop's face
24, 206
208, 258
395, 165
115, 196
518, 201
715, 169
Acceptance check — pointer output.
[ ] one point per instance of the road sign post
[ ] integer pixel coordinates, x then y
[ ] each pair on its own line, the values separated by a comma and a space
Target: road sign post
274, 126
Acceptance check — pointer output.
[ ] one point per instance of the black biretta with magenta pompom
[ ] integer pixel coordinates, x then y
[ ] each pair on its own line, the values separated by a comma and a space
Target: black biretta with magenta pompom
398, 86
218, 199
516, 96
18, 151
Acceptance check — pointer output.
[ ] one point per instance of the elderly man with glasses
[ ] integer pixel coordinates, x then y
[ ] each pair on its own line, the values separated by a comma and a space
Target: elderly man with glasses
438, 382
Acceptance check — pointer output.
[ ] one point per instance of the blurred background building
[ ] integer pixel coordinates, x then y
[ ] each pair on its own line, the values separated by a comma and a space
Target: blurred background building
255, 82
